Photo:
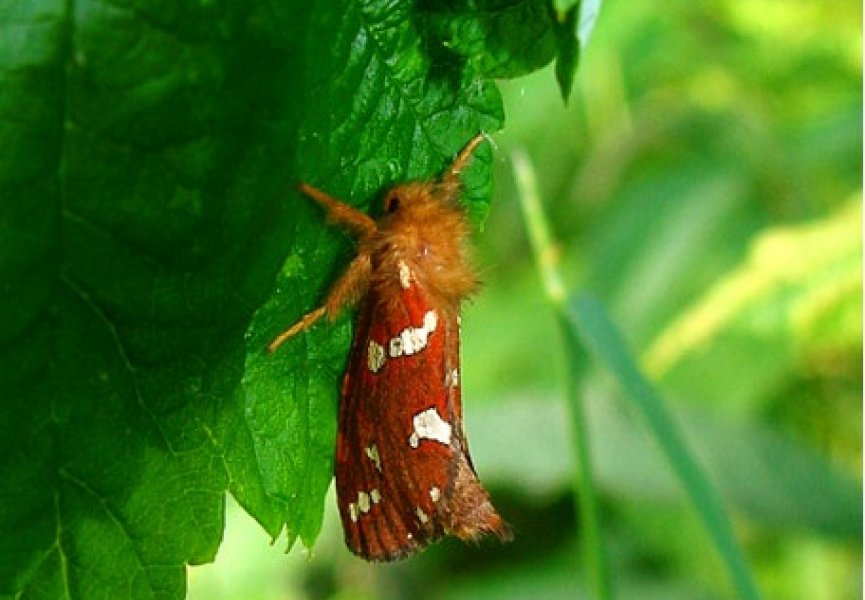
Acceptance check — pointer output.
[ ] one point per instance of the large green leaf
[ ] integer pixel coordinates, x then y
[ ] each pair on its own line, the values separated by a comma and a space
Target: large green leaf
133, 254
148, 156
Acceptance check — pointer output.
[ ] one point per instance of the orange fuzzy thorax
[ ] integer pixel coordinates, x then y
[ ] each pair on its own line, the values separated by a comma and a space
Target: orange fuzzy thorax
429, 235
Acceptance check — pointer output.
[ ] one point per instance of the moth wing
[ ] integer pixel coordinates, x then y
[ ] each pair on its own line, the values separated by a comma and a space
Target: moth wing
403, 474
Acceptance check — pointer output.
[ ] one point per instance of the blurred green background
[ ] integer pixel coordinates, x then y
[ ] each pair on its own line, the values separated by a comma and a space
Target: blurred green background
705, 182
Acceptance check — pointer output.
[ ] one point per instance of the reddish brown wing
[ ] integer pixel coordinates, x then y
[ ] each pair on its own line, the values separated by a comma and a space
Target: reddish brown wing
400, 427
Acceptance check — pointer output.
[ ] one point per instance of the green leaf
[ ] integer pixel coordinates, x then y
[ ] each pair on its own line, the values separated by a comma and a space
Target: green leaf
587, 503
133, 253
508, 38
604, 343
573, 26
568, 51
148, 156
496, 38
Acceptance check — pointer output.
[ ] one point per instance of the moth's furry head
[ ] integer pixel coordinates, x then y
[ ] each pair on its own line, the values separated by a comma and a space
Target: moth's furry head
425, 228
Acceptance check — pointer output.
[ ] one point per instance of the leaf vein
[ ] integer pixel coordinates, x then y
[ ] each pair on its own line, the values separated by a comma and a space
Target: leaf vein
121, 350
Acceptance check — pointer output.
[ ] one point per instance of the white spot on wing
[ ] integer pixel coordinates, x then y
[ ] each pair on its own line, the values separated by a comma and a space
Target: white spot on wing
430, 321
421, 515
404, 275
412, 340
375, 356
453, 378
363, 502
435, 494
429, 425
372, 453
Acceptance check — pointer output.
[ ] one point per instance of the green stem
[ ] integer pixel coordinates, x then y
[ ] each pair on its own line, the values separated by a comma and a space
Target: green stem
538, 230
588, 328
604, 342
545, 257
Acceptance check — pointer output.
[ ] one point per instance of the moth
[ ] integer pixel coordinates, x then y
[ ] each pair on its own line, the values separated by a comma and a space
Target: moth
404, 477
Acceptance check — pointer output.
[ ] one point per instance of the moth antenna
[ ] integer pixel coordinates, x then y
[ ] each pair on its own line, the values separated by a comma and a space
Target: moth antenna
305, 323
465, 154
490, 139
340, 212
451, 184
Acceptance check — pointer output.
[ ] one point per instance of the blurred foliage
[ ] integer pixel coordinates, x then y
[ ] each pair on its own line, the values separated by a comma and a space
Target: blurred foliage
705, 181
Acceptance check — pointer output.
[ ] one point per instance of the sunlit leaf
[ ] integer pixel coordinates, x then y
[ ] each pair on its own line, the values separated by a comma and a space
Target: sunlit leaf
800, 282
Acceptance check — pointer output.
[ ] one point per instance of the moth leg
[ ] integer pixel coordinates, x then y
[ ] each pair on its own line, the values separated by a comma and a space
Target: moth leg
340, 212
305, 323
451, 184
346, 292
350, 287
